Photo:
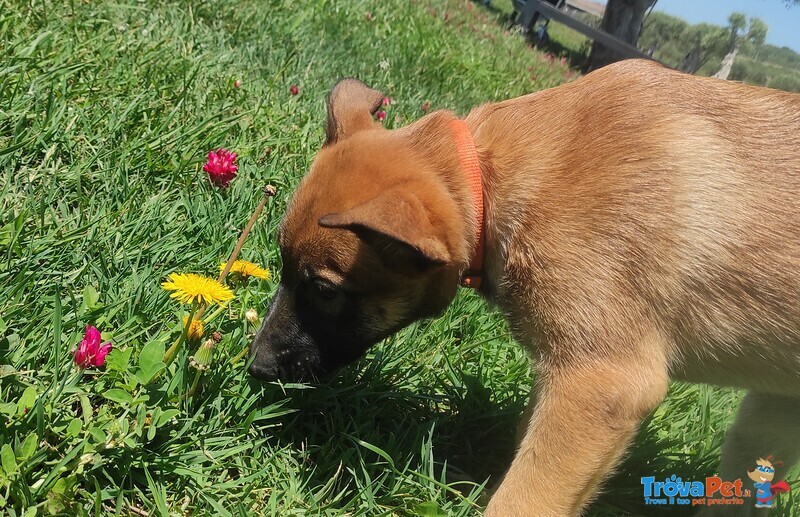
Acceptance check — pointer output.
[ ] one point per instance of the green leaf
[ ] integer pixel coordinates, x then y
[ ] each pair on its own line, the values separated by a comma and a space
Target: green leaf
118, 360
6, 234
141, 421
8, 460
124, 424
151, 355
91, 297
61, 495
377, 450
74, 427
31, 48
166, 416
97, 434
86, 408
118, 395
429, 509
151, 361
151, 431
9, 408
54, 506
27, 400
64, 486
218, 508
158, 492
28, 446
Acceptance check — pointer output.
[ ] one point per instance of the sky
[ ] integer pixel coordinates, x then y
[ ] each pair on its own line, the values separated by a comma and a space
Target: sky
783, 22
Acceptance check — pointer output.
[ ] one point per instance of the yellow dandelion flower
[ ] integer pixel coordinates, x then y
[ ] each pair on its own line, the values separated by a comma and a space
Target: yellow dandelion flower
247, 269
197, 289
196, 329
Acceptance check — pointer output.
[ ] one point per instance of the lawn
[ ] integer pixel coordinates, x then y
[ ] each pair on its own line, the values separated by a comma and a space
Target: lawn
107, 111
563, 41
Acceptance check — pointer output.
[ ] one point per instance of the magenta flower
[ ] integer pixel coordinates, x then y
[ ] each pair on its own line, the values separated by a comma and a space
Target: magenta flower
386, 101
381, 115
238, 83
294, 90
425, 107
90, 352
221, 167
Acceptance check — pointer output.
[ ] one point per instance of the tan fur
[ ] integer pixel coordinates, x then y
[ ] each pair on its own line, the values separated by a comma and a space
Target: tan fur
641, 225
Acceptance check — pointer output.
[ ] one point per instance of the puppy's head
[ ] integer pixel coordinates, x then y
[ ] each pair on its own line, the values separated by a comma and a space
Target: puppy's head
371, 241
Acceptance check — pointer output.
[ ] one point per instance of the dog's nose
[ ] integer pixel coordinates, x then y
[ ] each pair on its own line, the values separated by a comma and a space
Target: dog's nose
263, 371
263, 365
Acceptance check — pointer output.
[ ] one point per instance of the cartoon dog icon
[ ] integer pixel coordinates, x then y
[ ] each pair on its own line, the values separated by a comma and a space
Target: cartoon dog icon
762, 475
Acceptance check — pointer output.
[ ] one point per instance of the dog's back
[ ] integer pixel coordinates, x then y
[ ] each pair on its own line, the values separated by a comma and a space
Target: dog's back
658, 199
644, 224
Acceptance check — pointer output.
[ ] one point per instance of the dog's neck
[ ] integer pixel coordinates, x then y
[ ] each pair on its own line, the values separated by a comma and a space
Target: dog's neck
434, 141
471, 169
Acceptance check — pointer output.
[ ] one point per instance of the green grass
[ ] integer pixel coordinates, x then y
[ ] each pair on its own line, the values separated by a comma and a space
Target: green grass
106, 113
563, 42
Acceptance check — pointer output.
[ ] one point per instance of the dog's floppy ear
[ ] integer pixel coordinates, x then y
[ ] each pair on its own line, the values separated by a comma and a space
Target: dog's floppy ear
396, 224
351, 106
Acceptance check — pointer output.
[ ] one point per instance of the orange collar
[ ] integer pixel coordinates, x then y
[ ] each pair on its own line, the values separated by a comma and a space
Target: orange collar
468, 156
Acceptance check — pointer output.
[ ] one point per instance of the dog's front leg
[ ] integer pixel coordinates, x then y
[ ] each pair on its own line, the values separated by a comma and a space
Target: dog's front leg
585, 415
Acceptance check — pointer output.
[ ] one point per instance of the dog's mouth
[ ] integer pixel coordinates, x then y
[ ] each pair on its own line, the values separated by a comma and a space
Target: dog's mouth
295, 366
286, 366
297, 371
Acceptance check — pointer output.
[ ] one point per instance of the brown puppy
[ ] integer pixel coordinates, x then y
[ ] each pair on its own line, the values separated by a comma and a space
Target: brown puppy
641, 225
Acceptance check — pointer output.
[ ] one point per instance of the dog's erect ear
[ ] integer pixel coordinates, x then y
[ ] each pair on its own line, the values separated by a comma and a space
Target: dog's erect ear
396, 224
351, 106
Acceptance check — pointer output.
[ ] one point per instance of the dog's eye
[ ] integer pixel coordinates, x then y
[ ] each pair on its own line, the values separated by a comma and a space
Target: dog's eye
324, 290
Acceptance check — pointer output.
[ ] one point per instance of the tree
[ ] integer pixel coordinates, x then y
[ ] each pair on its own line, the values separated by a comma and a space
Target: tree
755, 36
707, 41
662, 33
623, 19
736, 23
757, 33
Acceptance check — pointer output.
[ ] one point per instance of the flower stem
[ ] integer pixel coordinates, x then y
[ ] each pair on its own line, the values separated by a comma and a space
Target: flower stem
238, 357
172, 352
195, 383
219, 310
269, 191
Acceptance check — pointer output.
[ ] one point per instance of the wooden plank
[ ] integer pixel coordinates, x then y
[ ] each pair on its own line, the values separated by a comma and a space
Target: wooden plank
536, 6
588, 6
528, 14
